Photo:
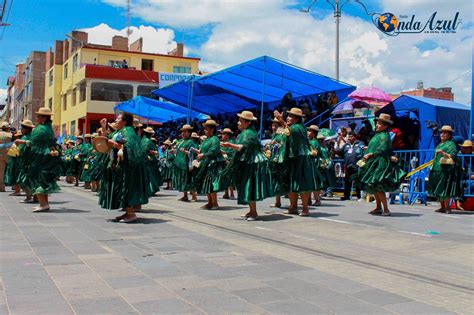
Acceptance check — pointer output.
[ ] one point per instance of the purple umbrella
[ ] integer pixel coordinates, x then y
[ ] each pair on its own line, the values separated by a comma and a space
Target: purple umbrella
370, 94
349, 106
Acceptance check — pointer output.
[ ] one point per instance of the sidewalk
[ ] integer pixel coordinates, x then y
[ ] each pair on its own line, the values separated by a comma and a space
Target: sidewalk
178, 259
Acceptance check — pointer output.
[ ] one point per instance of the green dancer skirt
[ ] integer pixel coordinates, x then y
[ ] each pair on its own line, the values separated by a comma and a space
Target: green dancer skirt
445, 183
379, 174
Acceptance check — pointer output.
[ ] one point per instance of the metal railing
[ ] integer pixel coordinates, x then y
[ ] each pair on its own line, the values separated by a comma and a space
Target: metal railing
414, 188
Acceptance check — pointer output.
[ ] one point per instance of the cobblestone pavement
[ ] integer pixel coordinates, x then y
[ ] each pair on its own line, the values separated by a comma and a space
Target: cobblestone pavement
178, 259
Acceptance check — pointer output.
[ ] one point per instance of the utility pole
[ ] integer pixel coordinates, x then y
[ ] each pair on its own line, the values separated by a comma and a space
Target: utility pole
129, 13
337, 10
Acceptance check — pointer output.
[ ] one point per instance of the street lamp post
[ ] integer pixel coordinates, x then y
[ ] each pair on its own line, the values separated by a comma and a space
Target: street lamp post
337, 7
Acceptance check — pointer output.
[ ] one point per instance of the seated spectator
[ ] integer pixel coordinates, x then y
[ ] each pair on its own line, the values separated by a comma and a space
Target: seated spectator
125, 64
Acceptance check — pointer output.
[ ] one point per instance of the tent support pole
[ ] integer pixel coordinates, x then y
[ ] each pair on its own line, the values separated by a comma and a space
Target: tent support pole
263, 97
190, 102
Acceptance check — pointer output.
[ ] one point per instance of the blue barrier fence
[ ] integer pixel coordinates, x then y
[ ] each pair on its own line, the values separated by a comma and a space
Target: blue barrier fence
414, 188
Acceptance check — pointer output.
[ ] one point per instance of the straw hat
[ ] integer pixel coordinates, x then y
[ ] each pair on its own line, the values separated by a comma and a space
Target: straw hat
95, 134
314, 128
210, 122
227, 130
195, 135
296, 112
70, 141
136, 123
45, 111
447, 128
88, 135
80, 137
467, 143
5, 125
167, 142
27, 123
100, 144
149, 130
186, 127
247, 115
320, 137
386, 118
112, 125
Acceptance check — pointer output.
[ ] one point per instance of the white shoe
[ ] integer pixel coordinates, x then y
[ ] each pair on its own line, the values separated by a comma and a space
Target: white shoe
252, 219
360, 200
41, 209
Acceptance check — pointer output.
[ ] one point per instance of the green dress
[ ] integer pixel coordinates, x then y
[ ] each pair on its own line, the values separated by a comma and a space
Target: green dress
302, 176
250, 169
182, 179
11, 171
43, 169
320, 168
445, 180
67, 159
152, 166
277, 159
127, 182
24, 158
326, 168
87, 162
166, 166
110, 192
207, 179
380, 174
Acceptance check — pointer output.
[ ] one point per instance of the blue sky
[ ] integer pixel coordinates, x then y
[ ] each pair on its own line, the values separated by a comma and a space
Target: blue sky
276, 28
36, 24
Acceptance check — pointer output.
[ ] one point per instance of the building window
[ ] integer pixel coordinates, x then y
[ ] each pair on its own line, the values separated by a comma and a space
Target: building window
50, 77
111, 92
181, 69
145, 90
115, 63
147, 64
50, 103
64, 101
73, 128
74, 92
65, 71
75, 64
82, 92
64, 130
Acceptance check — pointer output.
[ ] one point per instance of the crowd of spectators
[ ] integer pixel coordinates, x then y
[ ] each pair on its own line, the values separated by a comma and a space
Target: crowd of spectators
311, 107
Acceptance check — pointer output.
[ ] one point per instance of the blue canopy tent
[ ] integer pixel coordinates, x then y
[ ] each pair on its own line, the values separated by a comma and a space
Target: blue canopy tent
261, 82
428, 109
156, 110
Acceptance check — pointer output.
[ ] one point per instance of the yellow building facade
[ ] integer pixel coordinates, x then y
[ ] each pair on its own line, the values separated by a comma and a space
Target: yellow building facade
92, 80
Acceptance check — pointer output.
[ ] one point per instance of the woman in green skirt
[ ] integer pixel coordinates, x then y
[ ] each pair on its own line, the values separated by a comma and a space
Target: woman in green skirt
166, 165
151, 153
211, 163
43, 160
130, 184
277, 158
316, 153
13, 167
379, 172
302, 177
249, 167
445, 181
182, 180
26, 129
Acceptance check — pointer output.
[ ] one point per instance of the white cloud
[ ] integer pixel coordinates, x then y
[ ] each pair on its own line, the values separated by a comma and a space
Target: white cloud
192, 13
3, 96
155, 40
241, 30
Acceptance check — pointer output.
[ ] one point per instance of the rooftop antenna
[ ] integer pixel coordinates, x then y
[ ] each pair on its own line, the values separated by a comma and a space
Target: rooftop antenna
129, 31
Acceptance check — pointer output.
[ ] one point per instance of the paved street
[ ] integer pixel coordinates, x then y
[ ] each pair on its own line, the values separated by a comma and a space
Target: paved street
179, 259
